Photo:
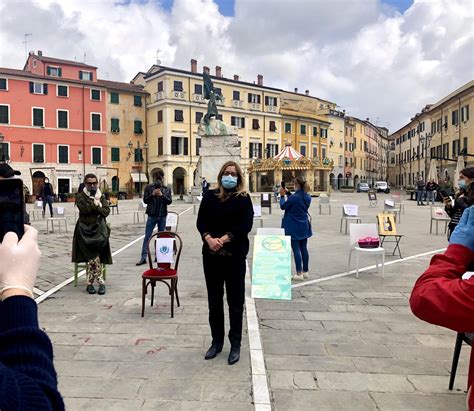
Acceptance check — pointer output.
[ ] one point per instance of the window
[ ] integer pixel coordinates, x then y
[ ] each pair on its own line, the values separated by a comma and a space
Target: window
95, 121
198, 116
315, 151
464, 143
85, 75
272, 150
464, 111
137, 101
454, 117
255, 150
218, 91
287, 127
236, 95
63, 154
38, 88
137, 127
38, 117
198, 89
177, 85
238, 122
95, 95
254, 98
138, 155
303, 129
438, 125
38, 153
3, 84
255, 125
315, 131
303, 149
63, 91
272, 126
179, 146
198, 146
160, 116
4, 152
63, 118
96, 155
114, 97
324, 133
115, 154
114, 125
219, 117
270, 101
53, 71
160, 146
160, 86
4, 114
323, 152
178, 115
456, 147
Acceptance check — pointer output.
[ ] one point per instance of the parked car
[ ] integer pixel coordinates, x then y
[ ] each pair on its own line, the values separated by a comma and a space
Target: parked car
382, 187
362, 188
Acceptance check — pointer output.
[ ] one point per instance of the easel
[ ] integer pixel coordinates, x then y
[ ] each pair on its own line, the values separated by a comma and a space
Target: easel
266, 201
372, 198
384, 234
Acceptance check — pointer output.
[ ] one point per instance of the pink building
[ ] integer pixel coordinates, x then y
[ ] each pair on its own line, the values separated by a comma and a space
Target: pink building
53, 121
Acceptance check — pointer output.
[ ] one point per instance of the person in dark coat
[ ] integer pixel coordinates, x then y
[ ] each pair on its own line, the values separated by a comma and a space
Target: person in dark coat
47, 195
93, 209
297, 225
224, 220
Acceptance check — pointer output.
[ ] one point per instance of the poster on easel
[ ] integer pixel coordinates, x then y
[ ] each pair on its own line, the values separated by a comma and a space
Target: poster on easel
387, 224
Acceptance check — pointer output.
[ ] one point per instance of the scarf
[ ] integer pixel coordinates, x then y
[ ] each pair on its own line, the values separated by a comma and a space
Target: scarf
96, 197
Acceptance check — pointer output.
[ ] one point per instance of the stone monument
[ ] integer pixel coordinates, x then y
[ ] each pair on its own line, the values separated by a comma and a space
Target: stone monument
219, 141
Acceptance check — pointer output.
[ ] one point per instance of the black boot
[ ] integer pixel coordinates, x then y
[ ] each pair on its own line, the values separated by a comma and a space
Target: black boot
213, 350
234, 355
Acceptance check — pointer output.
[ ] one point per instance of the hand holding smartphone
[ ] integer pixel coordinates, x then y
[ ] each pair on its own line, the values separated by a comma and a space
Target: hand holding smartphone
11, 207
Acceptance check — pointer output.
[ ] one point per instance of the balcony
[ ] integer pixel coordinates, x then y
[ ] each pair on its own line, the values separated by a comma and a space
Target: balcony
255, 107
160, 95
237, 104
198, 98
178, 95
271, 109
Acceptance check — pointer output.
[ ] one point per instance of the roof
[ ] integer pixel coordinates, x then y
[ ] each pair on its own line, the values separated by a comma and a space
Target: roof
119, 86
61, 61
288, 152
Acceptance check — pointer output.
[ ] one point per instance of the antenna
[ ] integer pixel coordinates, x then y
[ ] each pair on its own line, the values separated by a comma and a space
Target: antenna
25, 42
85, 55
158, 61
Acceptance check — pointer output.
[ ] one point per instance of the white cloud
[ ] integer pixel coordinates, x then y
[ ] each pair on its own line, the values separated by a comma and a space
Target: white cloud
363, 55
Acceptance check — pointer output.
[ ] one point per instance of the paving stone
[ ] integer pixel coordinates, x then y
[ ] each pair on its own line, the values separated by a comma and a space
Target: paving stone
331, 316
388, 338
355, 326
308, 363
304, 380
435, 384
93, 387
361, 350
421, 402
295, 348
84, 368
401, 366
291, 325
439, 341
87, 404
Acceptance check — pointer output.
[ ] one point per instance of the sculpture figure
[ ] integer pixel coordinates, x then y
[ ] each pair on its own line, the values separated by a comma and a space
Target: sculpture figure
211, 95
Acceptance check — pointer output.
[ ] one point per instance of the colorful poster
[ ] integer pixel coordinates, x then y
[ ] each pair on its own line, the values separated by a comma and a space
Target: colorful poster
271, 268
387, 224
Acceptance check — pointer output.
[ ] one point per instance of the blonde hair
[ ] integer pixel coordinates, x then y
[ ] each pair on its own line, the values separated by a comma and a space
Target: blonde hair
222, 194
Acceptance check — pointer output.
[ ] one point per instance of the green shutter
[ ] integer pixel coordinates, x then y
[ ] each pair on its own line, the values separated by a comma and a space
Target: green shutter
114, 98
137, 129
3, 114
137, 101
60, 72
48, 71
115, 125
115, 154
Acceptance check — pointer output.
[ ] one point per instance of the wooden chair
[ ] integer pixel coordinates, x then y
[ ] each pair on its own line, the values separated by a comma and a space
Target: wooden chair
460, 338
166, 273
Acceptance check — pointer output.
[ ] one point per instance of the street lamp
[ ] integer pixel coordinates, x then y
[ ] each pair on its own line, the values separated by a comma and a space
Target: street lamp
425, 142
139, 160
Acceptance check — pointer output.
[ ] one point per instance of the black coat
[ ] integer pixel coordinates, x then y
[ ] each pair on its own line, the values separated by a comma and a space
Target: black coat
157, 206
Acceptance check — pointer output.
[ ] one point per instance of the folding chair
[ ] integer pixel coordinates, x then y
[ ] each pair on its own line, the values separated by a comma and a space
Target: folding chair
358, 231
163, 271
460, 338
383, 235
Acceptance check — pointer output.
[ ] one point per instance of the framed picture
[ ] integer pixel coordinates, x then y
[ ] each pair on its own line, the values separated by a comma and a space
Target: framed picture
387, 224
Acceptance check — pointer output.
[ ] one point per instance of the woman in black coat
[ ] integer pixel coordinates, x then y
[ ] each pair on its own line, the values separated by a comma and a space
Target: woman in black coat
225, 218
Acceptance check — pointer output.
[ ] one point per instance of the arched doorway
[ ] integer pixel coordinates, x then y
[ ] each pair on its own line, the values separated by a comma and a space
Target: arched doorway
179, 176
333, 182
154, 172
356, 180
340, 181
115, 184
37, 180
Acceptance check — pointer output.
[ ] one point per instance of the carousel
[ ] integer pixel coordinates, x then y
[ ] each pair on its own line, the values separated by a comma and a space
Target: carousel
266, 174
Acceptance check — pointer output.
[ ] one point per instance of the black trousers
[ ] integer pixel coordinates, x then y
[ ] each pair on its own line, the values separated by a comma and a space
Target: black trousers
228, 271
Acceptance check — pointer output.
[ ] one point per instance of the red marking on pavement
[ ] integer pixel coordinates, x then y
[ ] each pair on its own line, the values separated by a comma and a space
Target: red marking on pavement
139, 340
155, 350
86, 339
108, 307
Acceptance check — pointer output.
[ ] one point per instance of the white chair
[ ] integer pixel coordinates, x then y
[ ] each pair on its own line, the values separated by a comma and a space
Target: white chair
397, 198
140, 212
172, 221
325, 201
37, 211
257, 214
390, 207
59, 216
270, 231
352, 215
358, 231
439, 215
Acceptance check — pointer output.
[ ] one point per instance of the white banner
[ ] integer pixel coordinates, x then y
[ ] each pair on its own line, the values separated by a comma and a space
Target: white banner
164, 250
351, 210
257, 211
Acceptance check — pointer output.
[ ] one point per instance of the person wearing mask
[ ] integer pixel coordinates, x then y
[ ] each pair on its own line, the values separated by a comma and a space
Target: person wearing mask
463, 199
47, 195
28, 380
431, 188
91, 234
297, 224
224, 221
441, 297
157, 198
420, 190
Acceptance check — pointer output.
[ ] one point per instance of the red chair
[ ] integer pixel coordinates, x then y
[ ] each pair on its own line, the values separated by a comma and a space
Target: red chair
163, 272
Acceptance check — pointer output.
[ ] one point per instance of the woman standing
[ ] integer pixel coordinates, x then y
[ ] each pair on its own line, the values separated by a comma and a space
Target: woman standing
297, 225
224, 220
463, 199
91, 235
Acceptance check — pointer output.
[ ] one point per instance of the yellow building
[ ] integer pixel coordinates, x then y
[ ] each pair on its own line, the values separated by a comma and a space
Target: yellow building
126, 136
357, 142
176, 105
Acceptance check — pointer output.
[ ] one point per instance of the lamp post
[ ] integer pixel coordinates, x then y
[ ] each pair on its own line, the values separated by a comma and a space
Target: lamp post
138, 160
425, 141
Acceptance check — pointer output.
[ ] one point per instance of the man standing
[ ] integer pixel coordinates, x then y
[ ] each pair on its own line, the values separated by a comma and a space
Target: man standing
157, 197
205, 186
420, 188
47, 195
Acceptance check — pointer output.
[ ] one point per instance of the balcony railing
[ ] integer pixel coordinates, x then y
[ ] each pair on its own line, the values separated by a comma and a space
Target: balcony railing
178, 95
160, 95
271, 109
255, 106
198, 98
237, 103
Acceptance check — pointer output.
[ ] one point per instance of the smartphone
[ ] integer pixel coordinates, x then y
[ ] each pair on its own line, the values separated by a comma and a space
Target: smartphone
283, 184
12, 217
443, 193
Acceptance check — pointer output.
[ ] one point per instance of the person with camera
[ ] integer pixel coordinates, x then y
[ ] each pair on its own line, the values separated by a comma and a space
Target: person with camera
28, 379
47, 195
157, 198
91, 234
441, 297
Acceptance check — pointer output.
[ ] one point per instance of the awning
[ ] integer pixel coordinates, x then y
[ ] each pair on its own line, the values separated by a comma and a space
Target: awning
139, 177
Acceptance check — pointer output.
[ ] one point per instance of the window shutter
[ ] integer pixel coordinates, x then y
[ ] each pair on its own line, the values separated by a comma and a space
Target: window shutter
48, 71
249, 97
266, 100
45, 88
185, 144
60, 72
276, 149
92, 76
232, 121
258, 98
276, 102
80, 74
243, 122
32, 87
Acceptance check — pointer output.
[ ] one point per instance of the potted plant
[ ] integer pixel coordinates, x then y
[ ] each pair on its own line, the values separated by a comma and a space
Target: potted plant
70, 197
346, 189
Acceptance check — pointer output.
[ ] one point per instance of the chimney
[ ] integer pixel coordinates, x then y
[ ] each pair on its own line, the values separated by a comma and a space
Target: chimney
194, 66
40, 53
218, 71
368, 119
205, 69
236, 77
306, 92
260, 80
296, 89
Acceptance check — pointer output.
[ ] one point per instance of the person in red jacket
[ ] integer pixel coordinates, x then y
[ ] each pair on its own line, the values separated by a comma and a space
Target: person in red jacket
442, 297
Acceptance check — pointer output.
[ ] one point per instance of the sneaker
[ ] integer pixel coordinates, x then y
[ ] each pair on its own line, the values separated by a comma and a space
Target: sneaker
141, 262
305, 275
297, 277
90, 289
101, 289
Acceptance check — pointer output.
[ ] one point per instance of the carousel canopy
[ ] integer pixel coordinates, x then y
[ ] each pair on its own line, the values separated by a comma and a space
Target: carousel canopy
288, 152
